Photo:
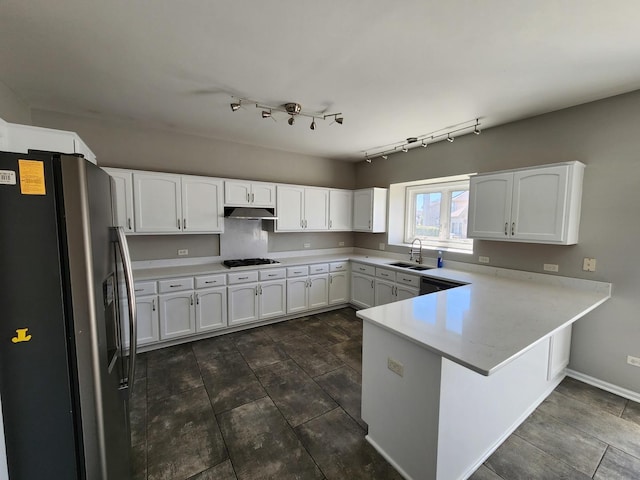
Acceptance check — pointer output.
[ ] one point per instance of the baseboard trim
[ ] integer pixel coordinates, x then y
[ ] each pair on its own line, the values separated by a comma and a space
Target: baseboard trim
384, 455
609, 387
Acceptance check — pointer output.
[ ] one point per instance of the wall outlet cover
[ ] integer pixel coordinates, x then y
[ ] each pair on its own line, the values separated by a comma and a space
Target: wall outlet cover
550, 267
341, 244
482, 259
395, 366
307, 245
635, 361
381, 246
182, 252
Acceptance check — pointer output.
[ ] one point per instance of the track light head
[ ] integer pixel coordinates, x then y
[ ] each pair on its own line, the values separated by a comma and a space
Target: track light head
339, 120
313, 124
266, 114
405, 149
291, 120
367, 159
477, 131
384, 157
424, 144
450, 138
235, 106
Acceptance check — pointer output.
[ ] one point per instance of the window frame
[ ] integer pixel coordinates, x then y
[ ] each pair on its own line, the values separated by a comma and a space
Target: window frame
444, 241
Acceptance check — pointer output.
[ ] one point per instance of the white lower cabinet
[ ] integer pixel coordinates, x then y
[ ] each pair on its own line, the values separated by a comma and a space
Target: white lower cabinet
404, 292
391, 286
385, 292
297, 294
318, 295
252, 301
338, 287
177, 315
307, 293
362, 290
211, 309
147, 316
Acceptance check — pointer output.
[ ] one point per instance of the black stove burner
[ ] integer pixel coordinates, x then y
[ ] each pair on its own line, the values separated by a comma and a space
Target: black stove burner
247, 262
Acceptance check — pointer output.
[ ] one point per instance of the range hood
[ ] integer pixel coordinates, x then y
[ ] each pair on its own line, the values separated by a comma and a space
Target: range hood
248, 213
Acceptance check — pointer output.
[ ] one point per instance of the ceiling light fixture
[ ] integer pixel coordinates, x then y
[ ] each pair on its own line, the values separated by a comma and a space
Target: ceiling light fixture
293, 109
384, 157
426, 139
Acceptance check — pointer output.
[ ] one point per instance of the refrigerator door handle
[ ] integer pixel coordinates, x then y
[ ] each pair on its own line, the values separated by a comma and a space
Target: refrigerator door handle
131, 302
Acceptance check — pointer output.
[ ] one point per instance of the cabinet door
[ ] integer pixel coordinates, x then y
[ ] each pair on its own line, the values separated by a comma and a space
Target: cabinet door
158, 205
362, 290
177, 314
297, 294
243, 303
340, 210
338, 288
237, 193
540, 203
318, 294
403, 292
559, 352
147, 315
490, 206
316, 209
273, 299
202, 209
211, 309
290, 209
362, 210
122, 198
263, 195
385, 292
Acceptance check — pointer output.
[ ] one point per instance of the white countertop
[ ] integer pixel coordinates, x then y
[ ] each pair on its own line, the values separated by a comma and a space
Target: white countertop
495, 318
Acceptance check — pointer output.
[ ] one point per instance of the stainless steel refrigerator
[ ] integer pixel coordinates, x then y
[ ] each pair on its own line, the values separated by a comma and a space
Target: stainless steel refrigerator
65, 378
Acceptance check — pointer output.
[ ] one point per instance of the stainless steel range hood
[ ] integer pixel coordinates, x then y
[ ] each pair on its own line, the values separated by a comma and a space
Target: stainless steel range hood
248, 213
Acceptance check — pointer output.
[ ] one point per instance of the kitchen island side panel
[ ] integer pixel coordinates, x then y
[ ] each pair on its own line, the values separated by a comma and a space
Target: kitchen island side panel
401, 411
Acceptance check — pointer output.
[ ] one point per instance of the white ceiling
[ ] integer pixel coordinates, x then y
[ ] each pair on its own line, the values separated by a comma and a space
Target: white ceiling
395, 69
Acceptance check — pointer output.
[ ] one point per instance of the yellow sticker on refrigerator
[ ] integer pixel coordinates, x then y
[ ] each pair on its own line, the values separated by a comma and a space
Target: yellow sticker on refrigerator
32, 177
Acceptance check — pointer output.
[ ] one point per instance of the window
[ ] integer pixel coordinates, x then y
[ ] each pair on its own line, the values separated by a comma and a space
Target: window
437, 213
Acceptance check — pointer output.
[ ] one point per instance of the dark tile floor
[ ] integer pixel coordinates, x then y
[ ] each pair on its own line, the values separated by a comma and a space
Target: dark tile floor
283, 402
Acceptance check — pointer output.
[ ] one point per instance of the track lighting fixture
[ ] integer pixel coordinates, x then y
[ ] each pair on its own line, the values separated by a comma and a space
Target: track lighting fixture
368, 160
425, 140
293, 109
384, 157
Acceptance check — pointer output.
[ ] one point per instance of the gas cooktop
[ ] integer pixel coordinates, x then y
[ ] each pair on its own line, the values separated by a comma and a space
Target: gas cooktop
247, 262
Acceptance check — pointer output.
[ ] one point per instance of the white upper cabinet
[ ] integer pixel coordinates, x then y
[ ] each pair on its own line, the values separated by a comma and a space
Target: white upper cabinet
535, 205
202, 209
167, 203
122, 198
157, 202
302, 209
370, 210
340, 210
238, 193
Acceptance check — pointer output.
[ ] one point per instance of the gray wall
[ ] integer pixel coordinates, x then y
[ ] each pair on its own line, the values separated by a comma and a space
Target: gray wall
127, 145
604, 136
12, 108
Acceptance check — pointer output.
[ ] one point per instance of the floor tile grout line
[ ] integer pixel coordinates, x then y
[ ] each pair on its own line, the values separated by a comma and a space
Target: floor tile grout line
601, 459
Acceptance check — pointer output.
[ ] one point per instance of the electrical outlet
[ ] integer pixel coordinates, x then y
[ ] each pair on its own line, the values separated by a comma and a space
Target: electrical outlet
341, 244
482, 259
381, 246
635, 361
589, 265
307, 245
550, 267
395, 366
182, 252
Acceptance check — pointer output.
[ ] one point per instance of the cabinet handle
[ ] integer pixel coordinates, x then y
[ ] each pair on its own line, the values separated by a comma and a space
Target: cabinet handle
253, 199
248, 198
176, 286
361, 269
191, 297
301, 224
406, 279
330, 279
129, 223
184, 223
259, 286
153, 304
243, 278
371, 283
513, 228
329, 223
256, 290
384, 275
369, 224
197, 299
506, 227
210, 281
139, 290
178, 224
272, 275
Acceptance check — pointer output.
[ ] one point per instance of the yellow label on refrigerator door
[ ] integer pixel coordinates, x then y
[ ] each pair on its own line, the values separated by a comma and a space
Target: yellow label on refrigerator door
32, 177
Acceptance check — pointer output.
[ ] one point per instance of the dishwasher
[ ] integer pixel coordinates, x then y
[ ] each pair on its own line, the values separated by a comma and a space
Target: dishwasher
431, 285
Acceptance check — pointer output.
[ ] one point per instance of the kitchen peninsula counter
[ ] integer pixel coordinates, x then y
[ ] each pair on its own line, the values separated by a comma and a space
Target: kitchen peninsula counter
448, 376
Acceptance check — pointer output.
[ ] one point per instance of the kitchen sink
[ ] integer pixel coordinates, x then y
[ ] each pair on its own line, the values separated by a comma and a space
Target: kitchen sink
410, 266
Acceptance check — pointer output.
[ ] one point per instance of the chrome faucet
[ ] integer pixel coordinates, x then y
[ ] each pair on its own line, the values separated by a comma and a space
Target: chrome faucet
412, 252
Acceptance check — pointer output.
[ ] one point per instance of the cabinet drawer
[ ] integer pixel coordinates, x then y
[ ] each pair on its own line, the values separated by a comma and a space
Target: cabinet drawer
144, 288
242, 277
272, 274
386, 274
298, 271
362, 268
207, 281
319, 268
175, 285
412, 280
338, 266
